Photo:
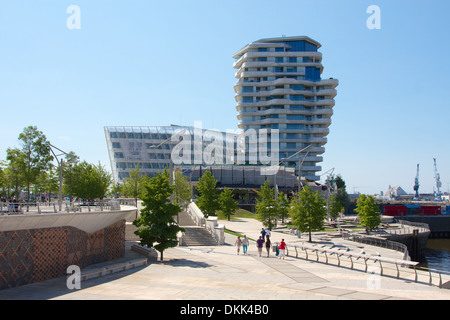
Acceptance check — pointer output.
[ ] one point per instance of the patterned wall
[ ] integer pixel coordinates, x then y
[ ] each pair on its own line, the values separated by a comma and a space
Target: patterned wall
28, 256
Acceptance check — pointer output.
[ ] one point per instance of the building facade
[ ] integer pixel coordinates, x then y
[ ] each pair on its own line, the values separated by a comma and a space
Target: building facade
192, 150
280, 87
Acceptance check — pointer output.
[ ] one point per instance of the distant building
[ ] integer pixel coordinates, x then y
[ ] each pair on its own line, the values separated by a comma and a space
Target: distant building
280, 87
394, 192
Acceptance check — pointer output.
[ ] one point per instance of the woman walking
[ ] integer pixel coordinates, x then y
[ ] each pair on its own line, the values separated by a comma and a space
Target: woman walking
238, 244
282, 248
268, 246
245, 244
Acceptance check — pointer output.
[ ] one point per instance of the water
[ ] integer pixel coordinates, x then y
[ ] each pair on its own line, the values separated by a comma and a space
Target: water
437, 254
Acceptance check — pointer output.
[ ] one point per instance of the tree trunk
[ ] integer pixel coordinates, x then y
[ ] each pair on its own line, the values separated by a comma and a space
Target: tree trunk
161, 255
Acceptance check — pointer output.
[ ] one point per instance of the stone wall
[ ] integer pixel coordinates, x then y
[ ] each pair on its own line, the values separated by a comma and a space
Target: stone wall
34, 255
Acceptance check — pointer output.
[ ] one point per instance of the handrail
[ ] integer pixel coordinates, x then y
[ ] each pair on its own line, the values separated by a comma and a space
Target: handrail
22, 207
328, 252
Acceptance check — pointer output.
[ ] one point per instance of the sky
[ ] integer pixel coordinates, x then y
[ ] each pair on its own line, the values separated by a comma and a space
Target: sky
147, 63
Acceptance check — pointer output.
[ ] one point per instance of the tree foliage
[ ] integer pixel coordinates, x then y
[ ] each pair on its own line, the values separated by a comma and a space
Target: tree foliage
157, 227
90, 181
368, 212
36, 155
183, 190
134, 186
267, 206
283, 206
228, 205
207, 198
308, 211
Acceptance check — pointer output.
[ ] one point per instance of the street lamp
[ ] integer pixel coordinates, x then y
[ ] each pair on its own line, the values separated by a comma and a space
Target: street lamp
60, 164
299, 168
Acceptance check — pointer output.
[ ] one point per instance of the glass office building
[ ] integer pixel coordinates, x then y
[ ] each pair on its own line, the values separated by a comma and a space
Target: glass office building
190, 150
280, 87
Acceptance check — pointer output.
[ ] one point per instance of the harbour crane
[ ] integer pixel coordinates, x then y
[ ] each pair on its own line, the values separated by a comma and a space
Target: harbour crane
416, 184
437, 194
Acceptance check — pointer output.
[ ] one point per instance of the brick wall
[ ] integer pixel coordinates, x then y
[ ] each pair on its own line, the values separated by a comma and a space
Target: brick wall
28, 256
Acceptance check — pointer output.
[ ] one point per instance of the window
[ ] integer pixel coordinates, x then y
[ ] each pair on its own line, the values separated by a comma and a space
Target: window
116, 145
278, 59
247, 99
295, 117
262, 49
292, 59
296, 97
296, 87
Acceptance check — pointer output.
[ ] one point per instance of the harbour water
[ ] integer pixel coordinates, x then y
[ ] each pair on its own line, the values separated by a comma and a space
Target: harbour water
437, 254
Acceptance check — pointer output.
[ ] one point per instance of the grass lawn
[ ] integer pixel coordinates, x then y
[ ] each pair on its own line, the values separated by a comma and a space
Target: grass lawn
240, 213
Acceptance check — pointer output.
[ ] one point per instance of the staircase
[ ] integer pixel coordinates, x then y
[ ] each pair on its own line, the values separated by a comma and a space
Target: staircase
194, 235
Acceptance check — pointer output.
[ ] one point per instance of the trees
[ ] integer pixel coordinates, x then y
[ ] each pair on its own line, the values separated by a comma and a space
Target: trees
283, 206
267, 206
308, 211
36, 155
157, 224
227, 203
207, 198
90, 181
368, 211
134, 186
183, 190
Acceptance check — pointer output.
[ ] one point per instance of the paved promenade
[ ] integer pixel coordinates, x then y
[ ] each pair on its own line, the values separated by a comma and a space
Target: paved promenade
218, 273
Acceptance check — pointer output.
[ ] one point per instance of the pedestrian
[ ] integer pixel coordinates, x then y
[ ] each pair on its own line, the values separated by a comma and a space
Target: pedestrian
263, 233
259, 245
268, 246
267, 232
282, 248
238, 244
245, 244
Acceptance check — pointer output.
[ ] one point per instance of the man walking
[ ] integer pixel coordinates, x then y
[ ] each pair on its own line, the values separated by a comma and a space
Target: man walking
259, 245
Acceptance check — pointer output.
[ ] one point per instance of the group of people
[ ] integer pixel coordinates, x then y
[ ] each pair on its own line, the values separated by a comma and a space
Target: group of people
263, 241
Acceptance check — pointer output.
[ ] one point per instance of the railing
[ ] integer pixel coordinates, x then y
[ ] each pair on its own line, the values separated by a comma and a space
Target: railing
15, 208
196, 214
383, 243
380, 265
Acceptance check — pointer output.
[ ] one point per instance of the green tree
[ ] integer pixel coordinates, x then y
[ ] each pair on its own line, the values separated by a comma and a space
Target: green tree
283, 206
335, 207
69, 175
228, 205
134, 186
207, 198
267, 206
14, 172
37, 155
183, 189
157, 227
368, 212
308, 211
342, 198
90, 181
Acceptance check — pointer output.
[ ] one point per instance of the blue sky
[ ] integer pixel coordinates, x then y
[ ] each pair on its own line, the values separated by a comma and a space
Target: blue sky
141, 63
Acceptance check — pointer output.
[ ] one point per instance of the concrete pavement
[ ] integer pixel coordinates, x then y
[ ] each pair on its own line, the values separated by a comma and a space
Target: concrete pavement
219, 273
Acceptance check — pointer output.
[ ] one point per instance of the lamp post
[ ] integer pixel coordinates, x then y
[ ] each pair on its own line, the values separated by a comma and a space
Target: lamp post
299, 168
60, 164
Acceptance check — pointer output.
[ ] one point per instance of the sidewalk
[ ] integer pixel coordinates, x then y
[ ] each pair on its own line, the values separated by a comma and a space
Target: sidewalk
218, 273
